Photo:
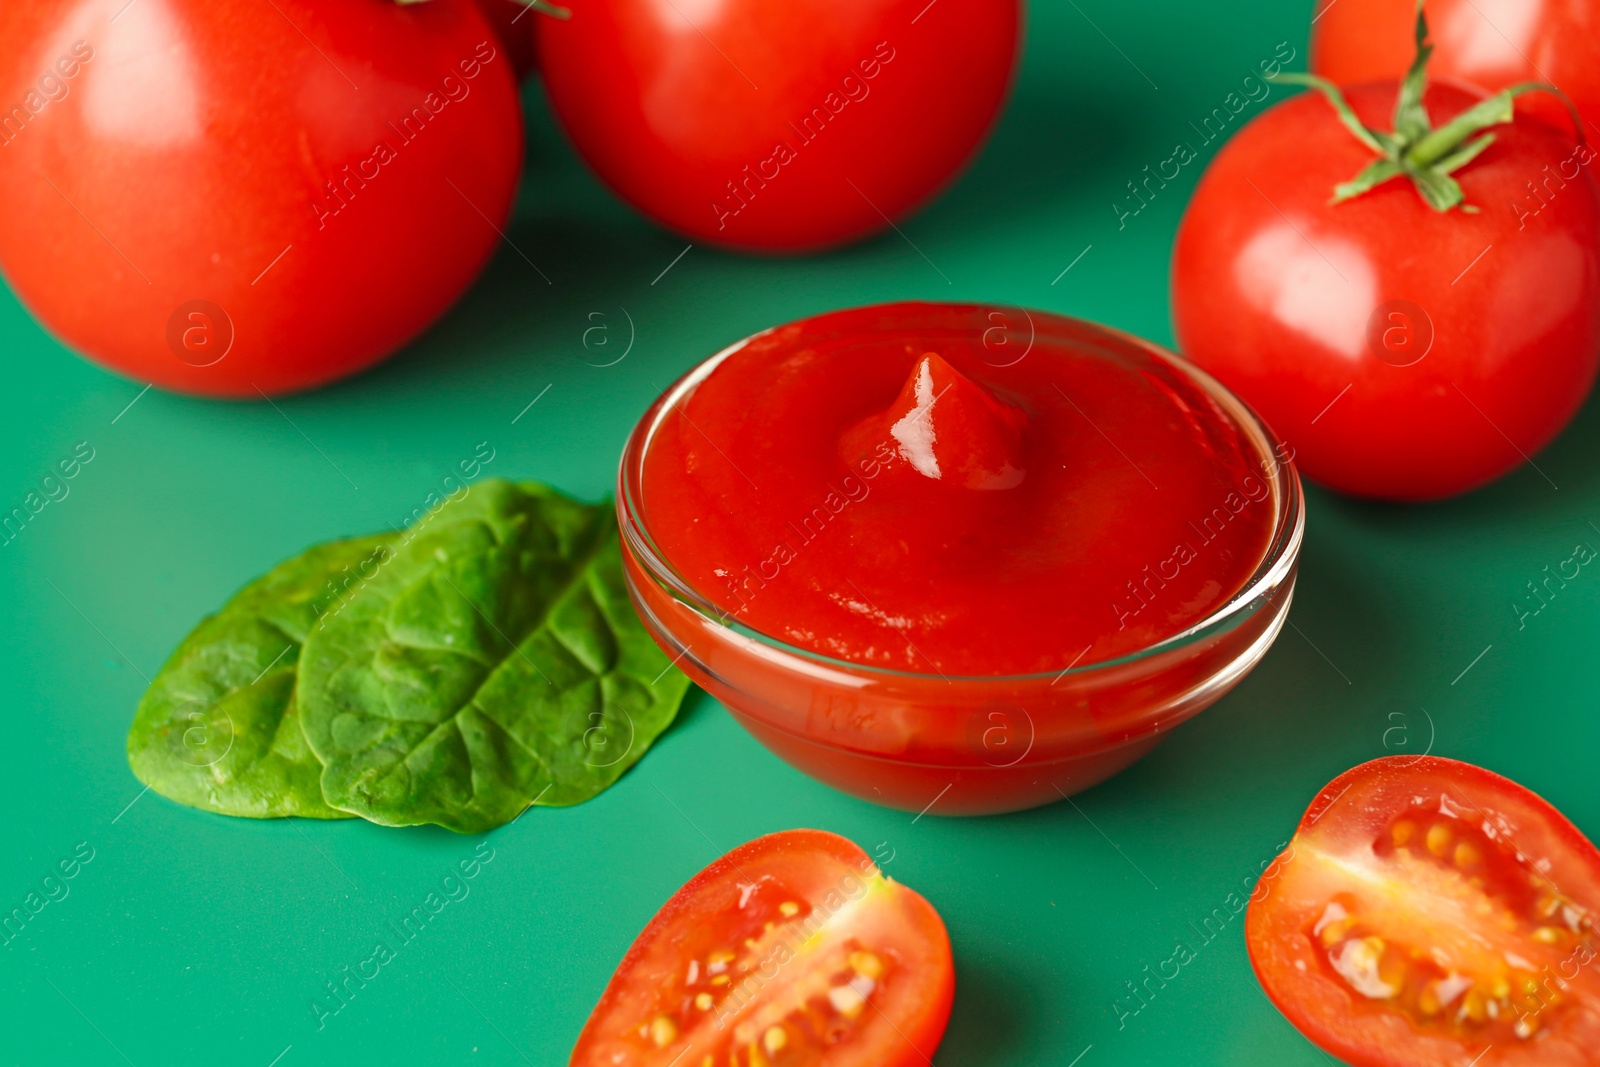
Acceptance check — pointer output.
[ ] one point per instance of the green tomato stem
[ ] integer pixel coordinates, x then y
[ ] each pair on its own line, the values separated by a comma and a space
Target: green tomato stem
1427, 157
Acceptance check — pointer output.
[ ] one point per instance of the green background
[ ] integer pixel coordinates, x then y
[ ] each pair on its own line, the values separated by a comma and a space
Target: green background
192, 938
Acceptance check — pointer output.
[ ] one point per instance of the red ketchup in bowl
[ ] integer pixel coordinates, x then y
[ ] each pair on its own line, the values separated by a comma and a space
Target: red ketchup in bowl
981, 554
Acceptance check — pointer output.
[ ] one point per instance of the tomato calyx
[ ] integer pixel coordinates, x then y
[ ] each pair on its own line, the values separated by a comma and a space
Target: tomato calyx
1415, 150
544, 7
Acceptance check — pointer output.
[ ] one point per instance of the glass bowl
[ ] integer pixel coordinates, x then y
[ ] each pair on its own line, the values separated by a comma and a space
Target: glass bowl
967, 745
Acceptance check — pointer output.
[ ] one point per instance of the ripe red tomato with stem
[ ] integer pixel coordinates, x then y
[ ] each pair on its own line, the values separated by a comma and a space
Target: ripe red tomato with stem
1429, 328
1487, 43
778, 125
289, 193
1430, 913
791, 949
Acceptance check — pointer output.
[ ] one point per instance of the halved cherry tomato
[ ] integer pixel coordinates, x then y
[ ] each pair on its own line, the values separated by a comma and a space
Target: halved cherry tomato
792, 949
1429, 912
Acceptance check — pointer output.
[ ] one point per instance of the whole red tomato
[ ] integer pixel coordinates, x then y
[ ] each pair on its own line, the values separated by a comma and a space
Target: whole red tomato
1404, 352
1489, 43
1429, 913
225, 196
778, 125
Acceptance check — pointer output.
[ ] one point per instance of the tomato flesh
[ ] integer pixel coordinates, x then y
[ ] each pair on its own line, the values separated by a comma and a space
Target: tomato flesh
791, 950
1428, 911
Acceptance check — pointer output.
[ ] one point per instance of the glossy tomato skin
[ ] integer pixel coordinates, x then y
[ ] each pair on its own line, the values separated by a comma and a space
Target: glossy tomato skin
297, 187
778, 125
838, 884
1487, 43
1341, 847
1404, 353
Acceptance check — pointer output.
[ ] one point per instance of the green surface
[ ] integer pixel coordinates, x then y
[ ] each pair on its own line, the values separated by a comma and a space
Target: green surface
192, 938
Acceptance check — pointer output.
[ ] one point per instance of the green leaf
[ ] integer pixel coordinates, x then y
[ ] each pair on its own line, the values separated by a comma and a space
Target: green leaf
494, 662
218, 727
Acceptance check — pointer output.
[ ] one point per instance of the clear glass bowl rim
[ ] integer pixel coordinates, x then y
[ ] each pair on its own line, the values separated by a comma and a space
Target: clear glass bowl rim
1283, 549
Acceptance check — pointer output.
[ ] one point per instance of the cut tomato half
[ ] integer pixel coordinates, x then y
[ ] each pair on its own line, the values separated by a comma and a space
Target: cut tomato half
791, 950
1430, 912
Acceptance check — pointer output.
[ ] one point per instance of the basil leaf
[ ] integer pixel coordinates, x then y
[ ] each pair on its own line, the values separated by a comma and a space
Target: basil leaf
495, 661
218, 727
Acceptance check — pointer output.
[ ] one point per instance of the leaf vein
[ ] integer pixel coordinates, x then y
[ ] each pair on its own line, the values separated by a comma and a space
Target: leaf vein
577, 576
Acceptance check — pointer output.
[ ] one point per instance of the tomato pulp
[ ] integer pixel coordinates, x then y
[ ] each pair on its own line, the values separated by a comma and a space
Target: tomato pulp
778, 125
973, 526
229, 196
1430, 912
793, 949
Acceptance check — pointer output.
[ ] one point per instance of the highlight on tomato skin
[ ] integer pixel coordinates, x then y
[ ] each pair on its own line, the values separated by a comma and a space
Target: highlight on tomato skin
1428, 912
792, 949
